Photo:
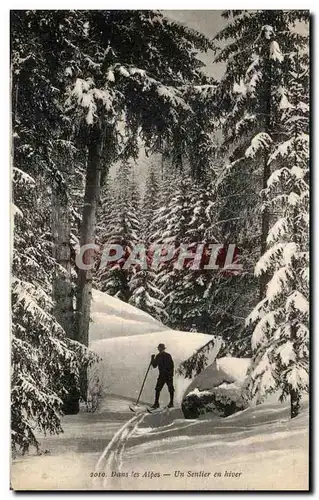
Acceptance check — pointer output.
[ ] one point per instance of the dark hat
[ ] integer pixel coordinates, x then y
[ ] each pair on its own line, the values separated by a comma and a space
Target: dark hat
162, 346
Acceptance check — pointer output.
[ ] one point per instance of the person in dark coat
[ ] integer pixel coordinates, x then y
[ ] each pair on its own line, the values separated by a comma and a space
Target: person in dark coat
165, 365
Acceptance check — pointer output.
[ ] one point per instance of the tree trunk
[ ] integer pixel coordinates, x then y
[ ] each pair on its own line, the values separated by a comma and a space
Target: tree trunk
294, 403
92, 191
62, 286
265, 218
62, 283
87, 236
264, 278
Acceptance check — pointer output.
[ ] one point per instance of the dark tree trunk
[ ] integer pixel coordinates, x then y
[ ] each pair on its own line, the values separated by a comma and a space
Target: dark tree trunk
62, 283
92, 191
265, 219
87, 236
62, 286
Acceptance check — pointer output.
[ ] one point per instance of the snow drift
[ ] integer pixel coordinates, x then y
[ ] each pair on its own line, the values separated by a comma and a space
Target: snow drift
126, 354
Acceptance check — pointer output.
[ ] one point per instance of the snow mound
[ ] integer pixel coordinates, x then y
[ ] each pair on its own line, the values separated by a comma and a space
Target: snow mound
218, 389
111, 317
227, 369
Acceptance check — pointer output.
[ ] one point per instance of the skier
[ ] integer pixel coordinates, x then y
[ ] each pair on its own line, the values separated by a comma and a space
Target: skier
166, 372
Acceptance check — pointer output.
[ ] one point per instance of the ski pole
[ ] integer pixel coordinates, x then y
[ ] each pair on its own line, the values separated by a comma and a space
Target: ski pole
148, 369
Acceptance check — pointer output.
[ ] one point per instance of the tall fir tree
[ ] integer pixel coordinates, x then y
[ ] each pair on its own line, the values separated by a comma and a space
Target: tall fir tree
118, 223
145, 293
132, 94
249, 101
280, 339
46, 363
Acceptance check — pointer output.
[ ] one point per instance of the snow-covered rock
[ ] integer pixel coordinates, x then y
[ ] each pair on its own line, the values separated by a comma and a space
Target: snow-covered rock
125, 338
218, 389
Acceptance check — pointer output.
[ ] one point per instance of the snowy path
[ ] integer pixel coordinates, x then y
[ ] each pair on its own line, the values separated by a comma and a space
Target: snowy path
263, 444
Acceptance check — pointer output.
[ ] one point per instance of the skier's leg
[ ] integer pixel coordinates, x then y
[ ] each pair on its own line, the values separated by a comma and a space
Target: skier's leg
159, 386
171, 391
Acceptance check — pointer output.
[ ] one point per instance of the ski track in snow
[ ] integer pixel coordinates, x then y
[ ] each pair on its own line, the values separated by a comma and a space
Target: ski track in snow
112, 457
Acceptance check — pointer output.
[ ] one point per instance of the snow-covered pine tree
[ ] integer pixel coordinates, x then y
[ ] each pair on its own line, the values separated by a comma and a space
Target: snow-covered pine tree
145, 293
118, 223
45, 362
196, 166
167, 186
200, 231
184, 217
200, 130
150, 202
44, 359
280, 339
171, 226
249, 100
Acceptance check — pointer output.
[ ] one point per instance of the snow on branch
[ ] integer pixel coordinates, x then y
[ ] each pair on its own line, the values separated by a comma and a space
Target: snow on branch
278, 282
297, 301
268, 258
260, 142
275, 52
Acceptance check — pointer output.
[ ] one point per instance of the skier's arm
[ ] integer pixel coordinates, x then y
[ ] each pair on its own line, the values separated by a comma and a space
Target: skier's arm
171, 363
154, 360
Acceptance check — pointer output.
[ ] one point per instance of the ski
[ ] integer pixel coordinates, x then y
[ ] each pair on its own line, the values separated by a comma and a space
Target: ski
148, 409
138, 409
156, 410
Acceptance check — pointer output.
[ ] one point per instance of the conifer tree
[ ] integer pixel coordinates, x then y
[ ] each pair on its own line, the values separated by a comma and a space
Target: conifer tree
150, 203
280, 338
145, 293
249, 101
118, 223
45, 362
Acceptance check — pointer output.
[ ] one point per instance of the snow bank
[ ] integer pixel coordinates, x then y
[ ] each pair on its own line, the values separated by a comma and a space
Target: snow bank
111, 317
263, 444
218, 389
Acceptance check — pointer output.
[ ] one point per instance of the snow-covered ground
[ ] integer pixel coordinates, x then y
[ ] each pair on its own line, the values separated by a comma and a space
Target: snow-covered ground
261, 445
